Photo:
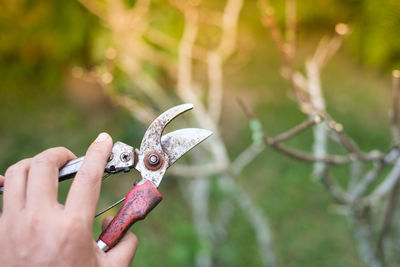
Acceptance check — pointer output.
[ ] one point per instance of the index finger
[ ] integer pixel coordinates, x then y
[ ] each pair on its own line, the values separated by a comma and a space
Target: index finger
84, 193
1, 180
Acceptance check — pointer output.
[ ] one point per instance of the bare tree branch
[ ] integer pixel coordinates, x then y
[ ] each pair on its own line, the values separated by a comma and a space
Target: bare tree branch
93, 6
394, 114
215, 58
388, 219
296, 154
291, 25
244, 158
360, 188
296, 130
255, 218
334, 190
387, 184
269, 20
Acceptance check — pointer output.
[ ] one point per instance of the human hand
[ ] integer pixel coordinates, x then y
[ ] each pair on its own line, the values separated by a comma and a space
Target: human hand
36, 230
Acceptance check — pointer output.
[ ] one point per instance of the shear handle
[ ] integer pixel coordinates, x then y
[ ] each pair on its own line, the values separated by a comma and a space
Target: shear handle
66, 172
138, 203
70, 169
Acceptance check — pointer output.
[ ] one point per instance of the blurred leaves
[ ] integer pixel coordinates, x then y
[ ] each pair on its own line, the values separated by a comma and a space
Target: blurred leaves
38, 38
372, 22
373, 39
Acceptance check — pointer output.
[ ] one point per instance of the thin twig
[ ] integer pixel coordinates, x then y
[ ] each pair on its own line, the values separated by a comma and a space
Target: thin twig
255, 218
394, 114
320, 132
244, 158
224, 50
215, 81
304, 156
388, 218
356, 168
371, 176
290, 34
286, 47
333, 189
296, 130
347, 142
327, 48
229, 27
387, 184
294, 153
94, 7
269, 20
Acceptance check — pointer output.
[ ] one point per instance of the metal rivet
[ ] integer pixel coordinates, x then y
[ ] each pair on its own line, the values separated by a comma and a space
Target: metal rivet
125, 157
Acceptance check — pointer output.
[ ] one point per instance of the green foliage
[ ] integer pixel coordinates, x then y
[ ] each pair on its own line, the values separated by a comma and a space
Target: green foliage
374, 23
41, 39
374, 39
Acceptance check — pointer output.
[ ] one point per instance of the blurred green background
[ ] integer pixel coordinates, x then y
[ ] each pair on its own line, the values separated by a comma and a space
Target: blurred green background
42, 106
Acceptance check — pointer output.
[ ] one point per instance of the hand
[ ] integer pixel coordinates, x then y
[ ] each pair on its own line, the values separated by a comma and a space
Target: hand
36, 230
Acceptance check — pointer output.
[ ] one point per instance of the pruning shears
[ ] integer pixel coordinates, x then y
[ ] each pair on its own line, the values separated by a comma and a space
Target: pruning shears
156, 154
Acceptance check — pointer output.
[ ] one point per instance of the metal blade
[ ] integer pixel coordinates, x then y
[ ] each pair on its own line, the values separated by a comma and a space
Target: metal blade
152, 137
177, 143
152, 160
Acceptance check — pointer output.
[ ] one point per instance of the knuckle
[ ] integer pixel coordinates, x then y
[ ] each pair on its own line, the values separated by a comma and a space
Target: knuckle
73, 228
72, 225
32, 221
17, 167
62, 150
12, 170
43, 159
51, 155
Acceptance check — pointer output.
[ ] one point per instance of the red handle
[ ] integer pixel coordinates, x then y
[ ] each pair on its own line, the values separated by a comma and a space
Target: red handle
138, 203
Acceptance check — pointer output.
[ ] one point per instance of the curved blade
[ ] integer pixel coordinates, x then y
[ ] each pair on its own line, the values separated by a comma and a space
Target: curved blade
178, 142
152, 137
151, 145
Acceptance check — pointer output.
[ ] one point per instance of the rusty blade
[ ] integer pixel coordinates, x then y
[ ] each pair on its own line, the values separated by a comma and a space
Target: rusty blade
178, 142
152, 138
150, 147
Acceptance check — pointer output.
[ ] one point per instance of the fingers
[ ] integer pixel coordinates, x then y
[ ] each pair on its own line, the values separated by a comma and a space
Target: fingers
1, 184
15, 186
124, 252
43, 176
84, 193
106, 222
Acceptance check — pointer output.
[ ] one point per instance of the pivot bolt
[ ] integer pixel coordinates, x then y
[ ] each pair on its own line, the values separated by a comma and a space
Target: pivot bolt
153, 159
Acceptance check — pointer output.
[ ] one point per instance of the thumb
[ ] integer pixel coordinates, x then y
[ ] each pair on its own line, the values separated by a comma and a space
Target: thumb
124, 251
